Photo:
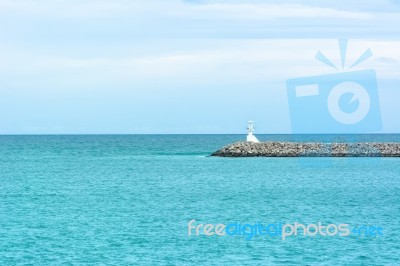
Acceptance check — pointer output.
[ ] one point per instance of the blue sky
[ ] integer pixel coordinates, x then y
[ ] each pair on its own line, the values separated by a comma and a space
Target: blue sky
85, 66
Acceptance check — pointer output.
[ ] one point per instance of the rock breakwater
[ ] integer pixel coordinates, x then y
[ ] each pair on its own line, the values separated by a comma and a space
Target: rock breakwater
310, 149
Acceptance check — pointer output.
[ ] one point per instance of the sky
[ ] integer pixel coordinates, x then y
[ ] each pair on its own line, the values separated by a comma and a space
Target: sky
178, 67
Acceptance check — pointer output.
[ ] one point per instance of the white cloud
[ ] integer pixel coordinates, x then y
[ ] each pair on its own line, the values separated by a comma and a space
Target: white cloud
74, 8
218, 61
386, 60
108, 20
274, 11
174, 8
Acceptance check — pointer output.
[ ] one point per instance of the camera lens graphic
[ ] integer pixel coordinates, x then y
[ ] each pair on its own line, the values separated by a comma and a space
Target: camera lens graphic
359, 94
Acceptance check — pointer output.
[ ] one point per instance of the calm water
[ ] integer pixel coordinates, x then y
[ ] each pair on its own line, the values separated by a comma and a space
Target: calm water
128, 200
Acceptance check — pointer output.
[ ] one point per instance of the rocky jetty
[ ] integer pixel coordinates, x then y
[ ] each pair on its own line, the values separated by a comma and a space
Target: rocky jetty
311, 149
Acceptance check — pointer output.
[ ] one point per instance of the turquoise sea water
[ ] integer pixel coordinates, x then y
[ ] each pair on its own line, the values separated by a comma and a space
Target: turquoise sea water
127, 199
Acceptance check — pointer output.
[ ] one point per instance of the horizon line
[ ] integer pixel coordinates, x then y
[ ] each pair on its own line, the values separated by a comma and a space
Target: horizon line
132, 134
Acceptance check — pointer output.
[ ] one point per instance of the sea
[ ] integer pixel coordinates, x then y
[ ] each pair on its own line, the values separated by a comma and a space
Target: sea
147, 200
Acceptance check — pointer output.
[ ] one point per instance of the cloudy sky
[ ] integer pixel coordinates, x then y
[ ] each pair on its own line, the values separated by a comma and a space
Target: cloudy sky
169, 66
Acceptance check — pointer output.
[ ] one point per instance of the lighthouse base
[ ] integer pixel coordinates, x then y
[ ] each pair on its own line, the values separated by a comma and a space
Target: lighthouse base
252, 138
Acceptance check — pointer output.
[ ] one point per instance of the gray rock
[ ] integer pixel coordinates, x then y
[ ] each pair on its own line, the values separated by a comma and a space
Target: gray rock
312, 149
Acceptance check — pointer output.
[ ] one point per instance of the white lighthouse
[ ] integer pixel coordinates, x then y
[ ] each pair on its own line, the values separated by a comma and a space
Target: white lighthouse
250, 130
